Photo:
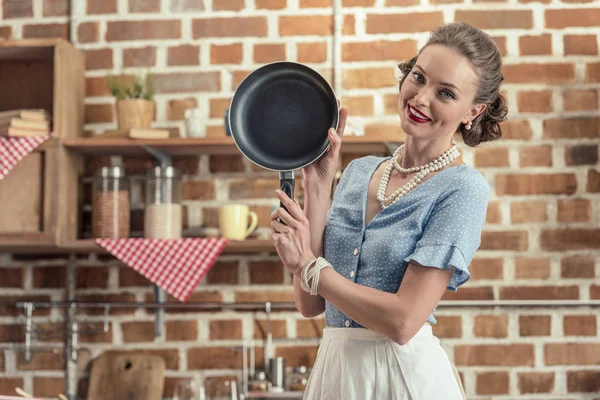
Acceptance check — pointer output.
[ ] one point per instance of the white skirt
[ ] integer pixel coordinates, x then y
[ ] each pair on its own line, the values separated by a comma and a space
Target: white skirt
358, 364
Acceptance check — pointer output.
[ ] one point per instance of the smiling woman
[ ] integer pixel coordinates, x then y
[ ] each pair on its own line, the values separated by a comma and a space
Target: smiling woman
400, 230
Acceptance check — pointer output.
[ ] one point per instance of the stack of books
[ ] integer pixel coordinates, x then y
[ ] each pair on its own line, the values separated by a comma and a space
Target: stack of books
24, 123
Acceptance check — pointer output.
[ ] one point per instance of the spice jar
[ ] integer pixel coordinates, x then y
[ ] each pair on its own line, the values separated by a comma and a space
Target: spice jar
163, 214
110, 203
298, 379
259, 383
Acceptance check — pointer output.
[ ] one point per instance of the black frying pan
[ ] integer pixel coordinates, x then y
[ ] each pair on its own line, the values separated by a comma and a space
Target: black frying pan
279, 117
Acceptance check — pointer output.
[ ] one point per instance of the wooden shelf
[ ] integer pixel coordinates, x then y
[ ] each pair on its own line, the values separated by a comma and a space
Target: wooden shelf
43, 244
189, 146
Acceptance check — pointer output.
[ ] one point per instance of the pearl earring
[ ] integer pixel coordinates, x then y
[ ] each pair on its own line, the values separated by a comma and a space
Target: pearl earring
468, 125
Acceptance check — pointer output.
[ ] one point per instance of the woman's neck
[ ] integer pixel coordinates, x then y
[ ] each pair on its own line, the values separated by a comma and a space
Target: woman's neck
420, 152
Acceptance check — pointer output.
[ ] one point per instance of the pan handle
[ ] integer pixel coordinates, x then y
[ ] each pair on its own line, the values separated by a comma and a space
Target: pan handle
286, 184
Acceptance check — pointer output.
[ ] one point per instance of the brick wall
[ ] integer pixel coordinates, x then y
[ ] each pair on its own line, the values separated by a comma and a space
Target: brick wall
540, 241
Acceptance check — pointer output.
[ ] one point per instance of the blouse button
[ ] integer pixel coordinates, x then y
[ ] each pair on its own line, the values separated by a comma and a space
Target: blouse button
355, 251
347, 323
352, 274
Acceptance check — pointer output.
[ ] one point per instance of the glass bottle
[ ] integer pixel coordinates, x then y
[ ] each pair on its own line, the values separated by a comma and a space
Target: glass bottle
110, 203
163, 213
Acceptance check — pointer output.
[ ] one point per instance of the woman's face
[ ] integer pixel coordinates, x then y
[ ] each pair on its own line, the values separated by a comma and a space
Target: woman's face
437, 95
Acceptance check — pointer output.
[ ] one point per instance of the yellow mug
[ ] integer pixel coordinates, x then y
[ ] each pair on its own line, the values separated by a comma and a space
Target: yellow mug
233, 221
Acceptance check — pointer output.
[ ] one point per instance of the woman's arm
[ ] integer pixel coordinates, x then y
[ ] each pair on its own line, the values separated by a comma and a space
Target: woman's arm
316, 205
399, 315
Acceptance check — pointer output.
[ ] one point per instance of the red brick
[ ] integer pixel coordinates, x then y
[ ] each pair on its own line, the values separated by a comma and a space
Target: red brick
266, 53
492, 383
498, 240
278, 329
536, 184
12, 333
572, 128
185, 330
535, 102
384, 129
12, 277
5, 32
88, 32
486, 268
379, 50
563, 18
494, 213
187, 82
92, 277
179, 6
143, 30
48, 386
229, 27
574, 210
501, 355
593, 181
517, 130
535, 325
129, 277
495, 326
226, 54
303, 25
310, 328
176, 109
535, 382
138, 332
532, 268
584, 45
448, 327
270, 4
8, 308
572, 354
183, 55
228, 5
17, 9
215, 358
41, 361
592, 72
98, 113
96, 87
580, 100
55, 8
535, 156
226, 163
539, 293
262, 296
98, 59
579, 325
101, 7
359, 105
499, 19
98, 335
581, 154
311, 52
548, 73
265, 272
223, 273
569, 239
8, 385
368, 78
106, 297
528, 212
535, 45
46, 31
225, 329
144, 6
407, 23
583, 381
470, 293
313, 3
577, 267
298, 355
49, 277
491, 157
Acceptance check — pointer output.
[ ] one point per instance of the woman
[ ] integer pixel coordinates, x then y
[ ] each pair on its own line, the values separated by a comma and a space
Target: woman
400, 230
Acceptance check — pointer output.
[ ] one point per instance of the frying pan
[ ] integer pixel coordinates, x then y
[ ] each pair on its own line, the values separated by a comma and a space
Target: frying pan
279, 118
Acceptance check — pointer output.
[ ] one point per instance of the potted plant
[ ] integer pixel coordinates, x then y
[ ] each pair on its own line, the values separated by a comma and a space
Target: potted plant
135, 105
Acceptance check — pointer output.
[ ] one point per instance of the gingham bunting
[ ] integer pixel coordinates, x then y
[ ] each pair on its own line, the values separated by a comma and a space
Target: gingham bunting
175, 265
14, 149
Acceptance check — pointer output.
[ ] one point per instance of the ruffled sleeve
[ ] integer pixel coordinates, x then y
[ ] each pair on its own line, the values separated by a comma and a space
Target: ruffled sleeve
452, 233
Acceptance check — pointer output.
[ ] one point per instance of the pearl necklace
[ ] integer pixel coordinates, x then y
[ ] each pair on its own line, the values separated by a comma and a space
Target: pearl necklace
446, 158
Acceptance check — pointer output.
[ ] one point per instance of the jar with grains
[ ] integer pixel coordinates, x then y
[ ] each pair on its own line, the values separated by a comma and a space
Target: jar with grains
110, 203
163, 213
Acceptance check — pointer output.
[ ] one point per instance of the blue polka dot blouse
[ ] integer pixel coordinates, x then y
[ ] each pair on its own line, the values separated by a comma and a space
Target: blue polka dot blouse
437, 224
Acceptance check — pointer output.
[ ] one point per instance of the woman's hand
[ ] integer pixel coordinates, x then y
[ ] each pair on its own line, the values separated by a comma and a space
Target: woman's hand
323, 170
292, 240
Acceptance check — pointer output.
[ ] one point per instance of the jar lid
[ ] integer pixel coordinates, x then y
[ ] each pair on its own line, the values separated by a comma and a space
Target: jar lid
111, 172
163, 172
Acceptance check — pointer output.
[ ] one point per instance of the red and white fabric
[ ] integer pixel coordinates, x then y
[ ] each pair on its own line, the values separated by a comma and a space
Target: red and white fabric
14, 149
175, 265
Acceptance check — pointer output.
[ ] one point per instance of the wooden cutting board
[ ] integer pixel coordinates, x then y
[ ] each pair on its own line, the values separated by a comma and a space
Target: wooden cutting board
127, 375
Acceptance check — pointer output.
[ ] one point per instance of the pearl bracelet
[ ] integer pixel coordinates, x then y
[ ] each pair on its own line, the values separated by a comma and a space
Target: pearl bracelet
312, 274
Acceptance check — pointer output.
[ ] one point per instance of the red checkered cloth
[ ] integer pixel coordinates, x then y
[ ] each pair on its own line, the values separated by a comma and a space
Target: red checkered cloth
14, 149
175, 265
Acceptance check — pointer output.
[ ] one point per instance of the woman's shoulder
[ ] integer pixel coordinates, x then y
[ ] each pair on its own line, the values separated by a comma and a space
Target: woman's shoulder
364, 163
465, 180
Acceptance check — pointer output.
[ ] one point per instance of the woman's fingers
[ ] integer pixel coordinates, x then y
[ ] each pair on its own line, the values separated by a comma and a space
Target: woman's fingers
342, 121
292, 210
279, 227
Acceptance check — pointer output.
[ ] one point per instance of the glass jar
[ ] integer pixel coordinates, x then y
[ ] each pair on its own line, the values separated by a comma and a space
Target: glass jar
259, 383
298, 379
110, 203
163, 213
